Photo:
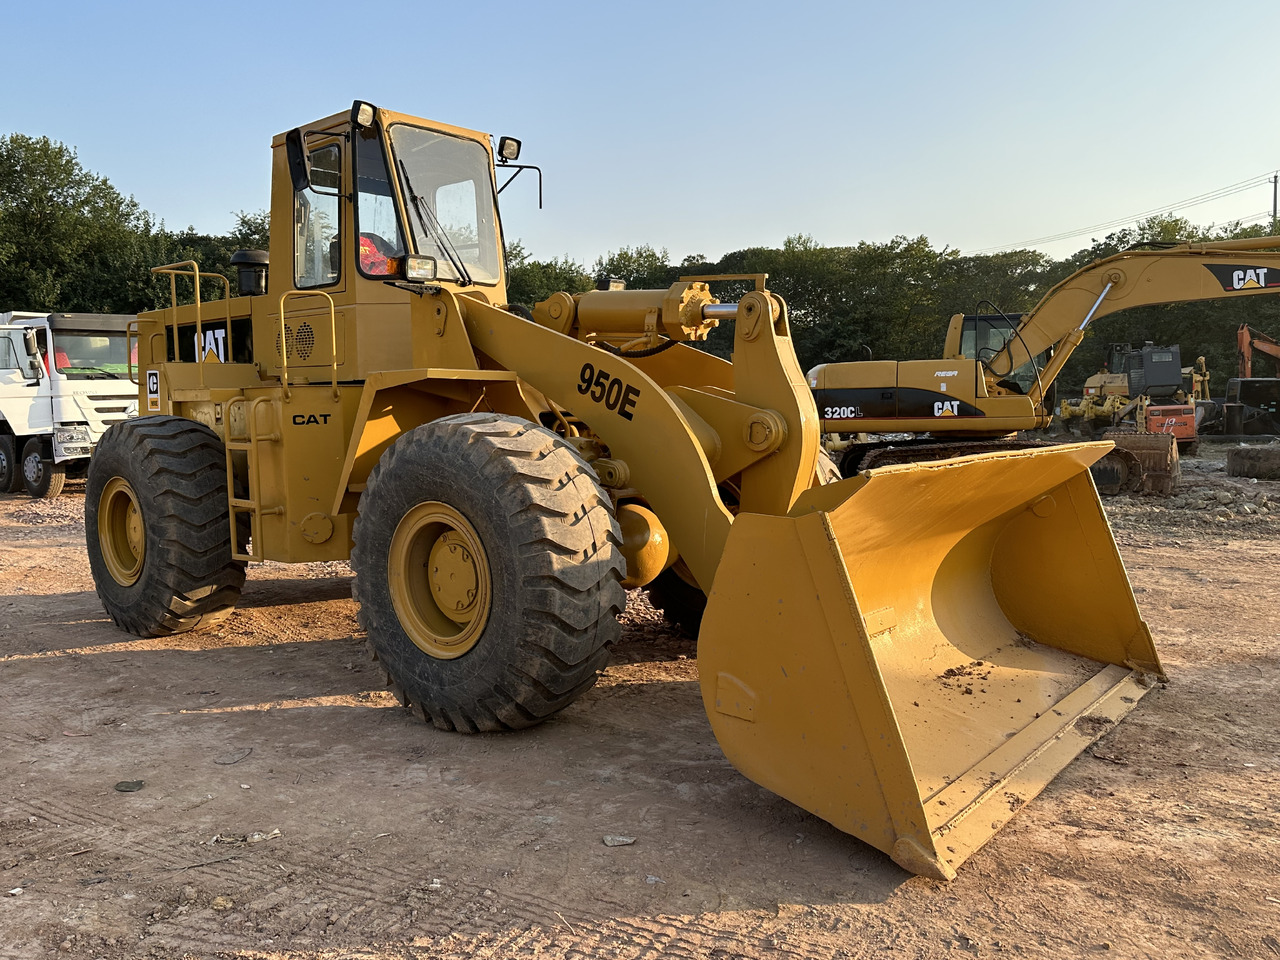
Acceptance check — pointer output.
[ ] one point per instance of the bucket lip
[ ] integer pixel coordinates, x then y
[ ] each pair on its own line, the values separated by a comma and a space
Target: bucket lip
958, 833
829, 497
1084, 452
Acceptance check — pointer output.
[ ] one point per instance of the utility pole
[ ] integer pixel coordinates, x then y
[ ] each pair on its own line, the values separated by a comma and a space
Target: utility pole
1275, 196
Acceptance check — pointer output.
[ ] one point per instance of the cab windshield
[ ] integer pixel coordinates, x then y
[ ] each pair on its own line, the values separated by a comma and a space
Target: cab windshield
983, 337
91, 356
451, 204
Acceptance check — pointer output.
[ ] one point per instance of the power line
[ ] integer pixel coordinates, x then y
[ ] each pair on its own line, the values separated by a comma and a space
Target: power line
1191, 202
1197, 200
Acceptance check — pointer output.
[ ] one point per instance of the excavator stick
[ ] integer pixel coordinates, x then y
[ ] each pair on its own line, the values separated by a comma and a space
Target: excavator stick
906, 654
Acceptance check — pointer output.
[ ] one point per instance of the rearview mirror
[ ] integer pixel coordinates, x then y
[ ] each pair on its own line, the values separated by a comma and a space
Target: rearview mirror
299, 160
35, 367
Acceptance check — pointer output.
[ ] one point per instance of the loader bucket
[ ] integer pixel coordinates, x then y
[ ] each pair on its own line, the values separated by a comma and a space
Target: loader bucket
916, 651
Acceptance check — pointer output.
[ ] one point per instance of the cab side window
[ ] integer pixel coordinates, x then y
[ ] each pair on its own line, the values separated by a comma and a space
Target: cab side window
381, 244
317, 254
9, 351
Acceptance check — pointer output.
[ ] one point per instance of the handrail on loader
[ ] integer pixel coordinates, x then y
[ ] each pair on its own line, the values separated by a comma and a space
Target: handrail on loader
284, 339
189, 268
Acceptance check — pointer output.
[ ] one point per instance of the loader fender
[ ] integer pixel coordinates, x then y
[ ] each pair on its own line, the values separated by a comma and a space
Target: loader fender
394, 402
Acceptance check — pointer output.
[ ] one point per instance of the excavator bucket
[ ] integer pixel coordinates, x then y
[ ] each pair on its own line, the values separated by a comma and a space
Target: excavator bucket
916, 651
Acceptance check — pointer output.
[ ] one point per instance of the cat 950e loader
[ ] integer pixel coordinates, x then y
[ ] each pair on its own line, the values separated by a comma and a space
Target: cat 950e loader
902, 653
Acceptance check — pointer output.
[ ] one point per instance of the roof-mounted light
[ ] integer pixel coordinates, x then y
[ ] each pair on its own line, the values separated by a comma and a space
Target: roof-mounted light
362, 114
508, 149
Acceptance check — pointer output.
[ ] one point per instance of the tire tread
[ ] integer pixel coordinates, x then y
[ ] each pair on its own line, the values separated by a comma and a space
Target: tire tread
570, 564
191, 579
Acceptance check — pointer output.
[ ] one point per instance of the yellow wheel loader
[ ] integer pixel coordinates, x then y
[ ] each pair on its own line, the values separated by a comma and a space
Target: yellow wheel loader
902, 653
998, 371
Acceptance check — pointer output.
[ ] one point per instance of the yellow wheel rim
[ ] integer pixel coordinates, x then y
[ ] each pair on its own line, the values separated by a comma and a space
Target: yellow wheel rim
439, 580
121, 532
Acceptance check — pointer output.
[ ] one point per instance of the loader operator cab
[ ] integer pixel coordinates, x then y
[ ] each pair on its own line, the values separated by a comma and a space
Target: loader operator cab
425, 205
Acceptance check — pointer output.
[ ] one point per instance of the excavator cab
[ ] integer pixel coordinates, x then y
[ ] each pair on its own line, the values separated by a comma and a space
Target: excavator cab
983, 337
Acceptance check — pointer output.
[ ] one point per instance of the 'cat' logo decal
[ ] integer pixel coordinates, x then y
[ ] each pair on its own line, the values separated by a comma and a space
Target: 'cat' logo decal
1241, 276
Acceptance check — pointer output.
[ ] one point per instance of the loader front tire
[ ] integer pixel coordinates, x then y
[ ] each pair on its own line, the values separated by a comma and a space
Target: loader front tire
488, 570
157, 527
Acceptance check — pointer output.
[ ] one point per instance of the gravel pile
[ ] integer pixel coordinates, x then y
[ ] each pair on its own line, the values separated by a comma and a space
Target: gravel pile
59, 510
1206, 496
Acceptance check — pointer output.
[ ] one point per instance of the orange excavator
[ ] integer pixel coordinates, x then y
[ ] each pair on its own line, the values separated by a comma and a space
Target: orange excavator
1247, 341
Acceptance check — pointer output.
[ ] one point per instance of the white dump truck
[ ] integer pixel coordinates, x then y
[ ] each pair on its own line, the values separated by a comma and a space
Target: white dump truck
64, 378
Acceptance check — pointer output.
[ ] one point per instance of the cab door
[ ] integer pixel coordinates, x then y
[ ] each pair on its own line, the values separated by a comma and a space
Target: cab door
26, 402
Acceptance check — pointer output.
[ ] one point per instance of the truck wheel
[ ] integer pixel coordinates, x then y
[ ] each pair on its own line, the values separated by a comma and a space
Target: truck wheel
488, 570
680, 601
157, 526
10, 472
41, 477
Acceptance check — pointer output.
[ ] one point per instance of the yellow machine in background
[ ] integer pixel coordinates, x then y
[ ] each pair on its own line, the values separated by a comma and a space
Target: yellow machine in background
997, 373
1143, 400
903, 653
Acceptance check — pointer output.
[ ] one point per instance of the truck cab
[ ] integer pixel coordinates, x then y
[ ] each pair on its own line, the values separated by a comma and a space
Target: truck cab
64, 378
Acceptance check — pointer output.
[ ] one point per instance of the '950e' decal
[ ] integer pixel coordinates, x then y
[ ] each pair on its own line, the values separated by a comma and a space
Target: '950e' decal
609, 390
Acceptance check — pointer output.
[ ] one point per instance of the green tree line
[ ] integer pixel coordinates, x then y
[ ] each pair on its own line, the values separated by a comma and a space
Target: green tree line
70, 241
893, 300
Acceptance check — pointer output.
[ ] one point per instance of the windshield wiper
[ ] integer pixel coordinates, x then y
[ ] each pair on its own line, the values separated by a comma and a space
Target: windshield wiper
432, 227
105, 374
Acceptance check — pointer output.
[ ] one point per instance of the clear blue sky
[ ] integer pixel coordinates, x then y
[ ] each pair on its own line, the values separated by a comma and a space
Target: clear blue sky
699, 127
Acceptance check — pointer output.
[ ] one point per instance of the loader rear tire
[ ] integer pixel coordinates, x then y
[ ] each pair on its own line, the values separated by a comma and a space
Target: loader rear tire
43, 478
488, 570
157, 527
10, 472
680, 601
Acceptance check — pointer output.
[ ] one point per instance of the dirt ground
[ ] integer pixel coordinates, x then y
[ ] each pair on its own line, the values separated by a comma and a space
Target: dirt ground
288, 808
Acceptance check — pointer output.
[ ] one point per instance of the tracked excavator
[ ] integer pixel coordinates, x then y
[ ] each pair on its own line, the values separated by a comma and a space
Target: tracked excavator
997, 373
1257, 400
1249, 340
902, 653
